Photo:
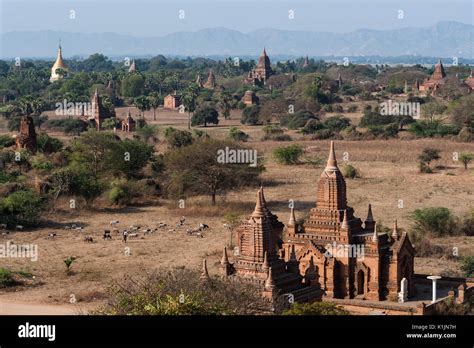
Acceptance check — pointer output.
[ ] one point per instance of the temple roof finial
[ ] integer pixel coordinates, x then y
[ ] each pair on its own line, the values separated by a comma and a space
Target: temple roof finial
395, 231
370, 217
225, 259
204, 273
332, 163
258, 211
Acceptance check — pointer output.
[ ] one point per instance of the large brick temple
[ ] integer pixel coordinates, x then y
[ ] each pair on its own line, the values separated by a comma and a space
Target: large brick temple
333, 251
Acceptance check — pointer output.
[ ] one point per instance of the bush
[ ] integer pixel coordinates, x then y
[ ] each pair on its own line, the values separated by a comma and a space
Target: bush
337, 123
40, 162
312, 126
178, 138
297, 120
288, 154
250, 115
6, 141
237, 135
426, 157
182, 292
432, 128
315, 308
350, 172
322, 134
9, 278
466, 158
22, 208
68, 126
352, 108
47, 144
467, 266
372, 118
75, 181
433, 221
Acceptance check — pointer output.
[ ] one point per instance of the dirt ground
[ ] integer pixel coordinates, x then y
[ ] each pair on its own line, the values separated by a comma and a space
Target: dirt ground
390, 182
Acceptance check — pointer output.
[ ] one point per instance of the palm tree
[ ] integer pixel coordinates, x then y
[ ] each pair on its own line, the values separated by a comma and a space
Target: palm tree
190, 100
142, 103
155, 100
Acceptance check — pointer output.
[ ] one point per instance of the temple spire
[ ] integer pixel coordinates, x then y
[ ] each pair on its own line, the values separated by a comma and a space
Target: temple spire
225, 259
265, 265
370, 217
258, 211
395, 231
292, 221
204, 273
332, 163
375, 237
270, 282
345, 223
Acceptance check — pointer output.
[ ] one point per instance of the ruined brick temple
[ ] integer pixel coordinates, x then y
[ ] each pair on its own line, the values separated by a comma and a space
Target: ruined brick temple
333, 251
26, 139
260, 74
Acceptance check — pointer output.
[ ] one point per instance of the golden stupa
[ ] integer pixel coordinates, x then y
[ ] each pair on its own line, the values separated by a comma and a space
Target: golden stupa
58, 65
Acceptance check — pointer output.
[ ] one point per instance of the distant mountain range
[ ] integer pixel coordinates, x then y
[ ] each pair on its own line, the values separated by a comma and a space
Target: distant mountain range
445, 39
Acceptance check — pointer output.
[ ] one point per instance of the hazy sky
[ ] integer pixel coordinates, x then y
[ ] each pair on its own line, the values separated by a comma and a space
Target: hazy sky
156, 18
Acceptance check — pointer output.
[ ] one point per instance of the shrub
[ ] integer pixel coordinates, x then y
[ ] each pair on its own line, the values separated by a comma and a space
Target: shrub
352, 108
315, 308
68, 126
22, 208
322, 134
297, 120
426, 157
178, 138
466, 158
432, 128
9, 278
6, 141
312, 126
350, 172
182, 292
467, 266
75, 181
237, 135
433, 221
148, 132
250, 115
288, 154
110, 123
47, 144
40, 162
337, 123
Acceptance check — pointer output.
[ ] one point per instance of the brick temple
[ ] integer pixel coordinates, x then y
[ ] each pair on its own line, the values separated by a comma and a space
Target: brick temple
260, 74
333, 253
437, 79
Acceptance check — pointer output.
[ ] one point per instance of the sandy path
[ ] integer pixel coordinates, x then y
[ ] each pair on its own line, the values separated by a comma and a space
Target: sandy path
22, 308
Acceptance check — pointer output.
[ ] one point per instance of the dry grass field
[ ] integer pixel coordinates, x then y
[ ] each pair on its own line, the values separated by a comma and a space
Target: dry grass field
390, 182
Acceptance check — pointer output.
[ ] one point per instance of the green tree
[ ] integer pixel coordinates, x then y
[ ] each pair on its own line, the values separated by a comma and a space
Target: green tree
142, 103
155, 100
225, 103
250, 115
466, 158
21, 208
190, 101
195, 169
288, 154
133, 85
205, 115
433, 221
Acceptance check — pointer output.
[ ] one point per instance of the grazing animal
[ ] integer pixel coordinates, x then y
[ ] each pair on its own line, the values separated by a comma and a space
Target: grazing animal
162, 225
116, 230
107, 235
51, 235
114, 222
88, 239
199, 235
19, 228
147, 231
133, 235
182, 220
172, 230
203, 226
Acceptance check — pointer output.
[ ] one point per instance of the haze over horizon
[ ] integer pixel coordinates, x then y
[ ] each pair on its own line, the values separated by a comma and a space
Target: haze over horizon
145, 18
